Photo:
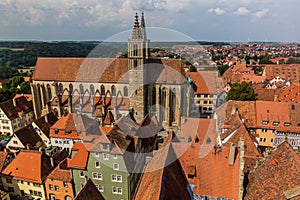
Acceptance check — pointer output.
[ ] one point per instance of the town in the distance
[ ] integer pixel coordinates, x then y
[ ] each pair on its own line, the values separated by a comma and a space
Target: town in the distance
180, 120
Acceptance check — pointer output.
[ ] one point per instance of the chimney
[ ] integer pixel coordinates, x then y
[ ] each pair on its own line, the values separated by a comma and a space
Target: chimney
231, 154
27, 146
14, 102
52, 161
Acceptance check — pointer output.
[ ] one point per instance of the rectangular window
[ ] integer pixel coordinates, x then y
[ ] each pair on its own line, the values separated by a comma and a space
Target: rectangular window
116, 190
50, 187
100, 187
116, 178
36, 185
116, 166
97, 176
275, 123
81, 174
97, 164
262, 139
65, 184
105, 156
56, 188
8, 180
115, 156
96, 154
11, 189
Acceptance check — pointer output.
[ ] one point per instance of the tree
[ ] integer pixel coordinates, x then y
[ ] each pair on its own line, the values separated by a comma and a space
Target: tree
222, 69
193, 68
241, 92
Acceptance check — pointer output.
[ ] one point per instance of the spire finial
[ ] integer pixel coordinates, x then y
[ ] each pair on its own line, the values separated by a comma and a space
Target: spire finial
136, 23
143, 21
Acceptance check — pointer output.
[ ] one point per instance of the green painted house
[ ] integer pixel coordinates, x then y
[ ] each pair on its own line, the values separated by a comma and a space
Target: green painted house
113, 162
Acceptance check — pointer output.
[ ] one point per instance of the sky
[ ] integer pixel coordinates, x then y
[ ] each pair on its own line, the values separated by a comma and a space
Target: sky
205, 20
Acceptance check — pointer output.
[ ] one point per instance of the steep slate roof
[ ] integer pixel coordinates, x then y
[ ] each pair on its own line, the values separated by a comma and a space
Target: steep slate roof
104, 70
89, 191
36, 170
278, 174
22, 105
163, 177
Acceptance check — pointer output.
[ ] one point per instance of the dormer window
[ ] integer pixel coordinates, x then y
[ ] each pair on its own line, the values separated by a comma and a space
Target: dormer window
275, 123
56, 131
68, 132
265, 122
287, 123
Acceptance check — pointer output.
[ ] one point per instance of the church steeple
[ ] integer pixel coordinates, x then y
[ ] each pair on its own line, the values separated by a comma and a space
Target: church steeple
143, 28
136, 28
138, 53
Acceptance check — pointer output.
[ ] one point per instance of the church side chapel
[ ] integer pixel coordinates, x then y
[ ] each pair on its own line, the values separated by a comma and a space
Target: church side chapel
108, 88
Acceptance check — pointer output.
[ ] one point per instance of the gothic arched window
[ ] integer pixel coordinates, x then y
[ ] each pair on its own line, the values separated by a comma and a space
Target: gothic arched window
102, 90
125, 91
113, 90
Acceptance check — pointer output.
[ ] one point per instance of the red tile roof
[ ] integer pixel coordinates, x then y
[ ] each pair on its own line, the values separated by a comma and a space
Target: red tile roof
291, 71
163, 177
79, 161
3, 157
204, 82
106, 70
61, 172
290, 94
278, 174
36, 171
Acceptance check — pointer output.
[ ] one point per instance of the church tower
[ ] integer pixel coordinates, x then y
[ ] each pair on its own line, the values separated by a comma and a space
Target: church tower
138, 53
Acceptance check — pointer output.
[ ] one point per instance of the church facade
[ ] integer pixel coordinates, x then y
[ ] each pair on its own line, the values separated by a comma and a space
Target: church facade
107, 88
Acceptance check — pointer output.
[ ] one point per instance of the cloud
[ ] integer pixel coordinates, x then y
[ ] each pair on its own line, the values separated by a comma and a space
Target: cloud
260, 14
242, 11
217, 11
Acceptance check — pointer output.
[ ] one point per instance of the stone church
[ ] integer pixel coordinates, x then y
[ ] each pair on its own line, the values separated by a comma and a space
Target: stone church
108, 88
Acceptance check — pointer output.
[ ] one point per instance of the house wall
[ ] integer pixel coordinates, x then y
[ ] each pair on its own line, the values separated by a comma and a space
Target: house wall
62, 191
265, 137
106, 168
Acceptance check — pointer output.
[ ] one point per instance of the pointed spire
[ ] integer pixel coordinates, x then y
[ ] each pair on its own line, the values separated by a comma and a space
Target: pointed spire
143, 21
136, 23
143, 27
136, 27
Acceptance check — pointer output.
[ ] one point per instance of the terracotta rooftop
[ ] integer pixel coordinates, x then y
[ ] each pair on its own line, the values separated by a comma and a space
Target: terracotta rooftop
276, 176
290, 94
89, 191
106, 70
204, 82
80, 158
163, 177
3, 156
291, 71
61, 172
37, 171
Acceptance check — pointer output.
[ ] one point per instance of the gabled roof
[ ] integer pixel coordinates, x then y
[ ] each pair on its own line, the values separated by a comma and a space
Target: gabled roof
45, 122
89, 191
36, 170
204, 82
290, 94
278, 174
104, 70
61, 172
79, 160
3, 157
28, 137
163, 177
22, 106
